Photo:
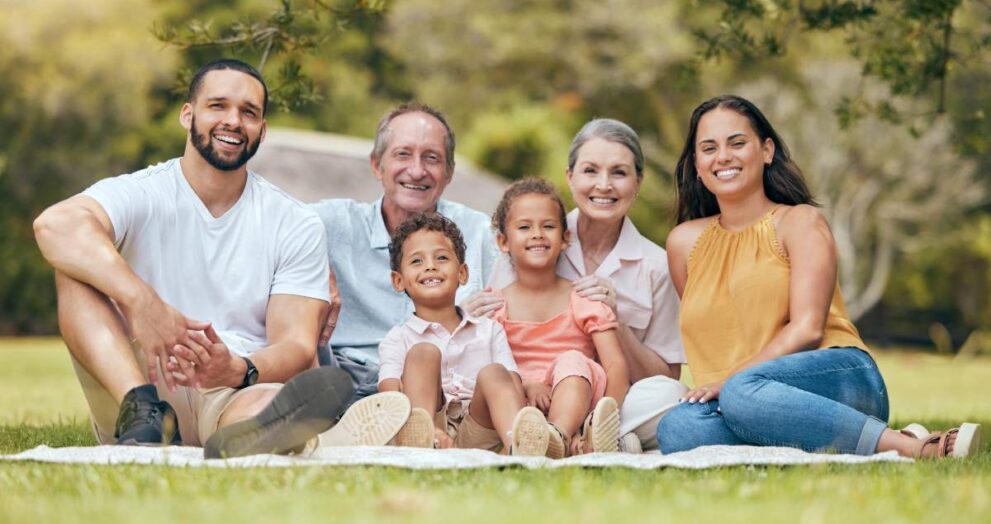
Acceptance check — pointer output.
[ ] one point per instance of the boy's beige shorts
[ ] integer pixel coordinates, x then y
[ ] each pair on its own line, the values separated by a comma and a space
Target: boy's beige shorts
464, 430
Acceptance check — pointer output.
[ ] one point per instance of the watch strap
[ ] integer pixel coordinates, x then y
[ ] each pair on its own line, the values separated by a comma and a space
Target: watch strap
249, 371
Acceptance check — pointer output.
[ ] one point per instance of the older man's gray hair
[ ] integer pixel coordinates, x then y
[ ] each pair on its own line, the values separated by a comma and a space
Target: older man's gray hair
382, 132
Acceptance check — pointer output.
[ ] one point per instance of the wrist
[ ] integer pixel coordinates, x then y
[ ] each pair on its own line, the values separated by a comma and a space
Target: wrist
239, 372
134, 297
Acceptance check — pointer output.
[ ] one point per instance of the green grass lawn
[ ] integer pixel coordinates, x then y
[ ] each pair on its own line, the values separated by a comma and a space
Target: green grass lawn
42, 404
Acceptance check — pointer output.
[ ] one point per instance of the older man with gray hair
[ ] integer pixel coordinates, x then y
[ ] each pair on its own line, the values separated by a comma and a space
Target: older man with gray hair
413, 157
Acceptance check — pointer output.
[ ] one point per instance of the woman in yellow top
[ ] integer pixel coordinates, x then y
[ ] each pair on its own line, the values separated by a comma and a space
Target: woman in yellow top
755, 264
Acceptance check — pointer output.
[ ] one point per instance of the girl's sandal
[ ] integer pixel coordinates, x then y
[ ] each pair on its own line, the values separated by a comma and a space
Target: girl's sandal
601, 427
967, 442
557, 445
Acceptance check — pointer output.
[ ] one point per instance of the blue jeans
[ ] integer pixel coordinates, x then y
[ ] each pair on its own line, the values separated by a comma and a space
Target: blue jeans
823, 400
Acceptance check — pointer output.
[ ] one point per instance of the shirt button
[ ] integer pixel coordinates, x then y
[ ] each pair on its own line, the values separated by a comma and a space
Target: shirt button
435, 325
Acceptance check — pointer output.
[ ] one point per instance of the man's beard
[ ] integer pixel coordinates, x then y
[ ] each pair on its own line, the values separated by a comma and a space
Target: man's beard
202, 143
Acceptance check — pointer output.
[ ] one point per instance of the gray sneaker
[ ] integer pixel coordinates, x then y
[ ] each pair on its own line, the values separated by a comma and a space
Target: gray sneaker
306, 406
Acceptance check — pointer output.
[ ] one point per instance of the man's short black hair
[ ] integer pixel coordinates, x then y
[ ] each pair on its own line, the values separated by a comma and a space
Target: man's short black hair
221, 64
429, 221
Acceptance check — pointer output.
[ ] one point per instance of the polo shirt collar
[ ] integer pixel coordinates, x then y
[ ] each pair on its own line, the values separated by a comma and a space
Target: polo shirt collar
628, 247
379, 234
380, 237
421, 326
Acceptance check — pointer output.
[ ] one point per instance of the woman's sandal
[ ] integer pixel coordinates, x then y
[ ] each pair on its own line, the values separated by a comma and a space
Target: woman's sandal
967, 442
917, 431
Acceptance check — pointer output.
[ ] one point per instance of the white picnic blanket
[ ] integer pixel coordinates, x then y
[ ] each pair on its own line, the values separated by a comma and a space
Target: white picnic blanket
410, 458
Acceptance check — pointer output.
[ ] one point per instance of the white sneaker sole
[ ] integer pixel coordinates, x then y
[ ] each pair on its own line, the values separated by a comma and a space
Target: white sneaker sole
531, 434
555, 444
417, 432
603, 429
916, 430
968, 440
371, 421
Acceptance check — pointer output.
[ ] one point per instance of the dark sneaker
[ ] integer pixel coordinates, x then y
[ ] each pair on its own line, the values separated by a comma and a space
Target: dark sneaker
144, 420
306, 406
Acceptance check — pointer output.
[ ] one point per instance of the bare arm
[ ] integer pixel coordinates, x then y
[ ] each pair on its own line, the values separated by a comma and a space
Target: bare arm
292, 324
804, 234
611, 355
641, 360
332, 313
76, 237
391, 384
681, 241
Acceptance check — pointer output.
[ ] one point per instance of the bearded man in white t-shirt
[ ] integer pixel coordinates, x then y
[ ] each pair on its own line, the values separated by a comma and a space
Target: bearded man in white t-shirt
190, 291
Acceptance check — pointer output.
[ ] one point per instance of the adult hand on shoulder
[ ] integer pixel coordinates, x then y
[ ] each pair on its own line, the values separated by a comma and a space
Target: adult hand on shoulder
599, 289
538, 394
704, 393
158, 327
206, 362
334, 311
483, 303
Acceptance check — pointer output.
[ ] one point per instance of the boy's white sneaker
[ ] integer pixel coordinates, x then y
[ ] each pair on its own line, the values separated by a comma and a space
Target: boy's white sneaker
417, 432
371, 421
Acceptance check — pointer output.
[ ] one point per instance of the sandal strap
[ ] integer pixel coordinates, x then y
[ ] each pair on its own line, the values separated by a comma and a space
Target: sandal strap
942, 442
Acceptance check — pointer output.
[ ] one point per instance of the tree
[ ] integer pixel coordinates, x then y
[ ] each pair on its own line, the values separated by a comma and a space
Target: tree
888, 192
76, 84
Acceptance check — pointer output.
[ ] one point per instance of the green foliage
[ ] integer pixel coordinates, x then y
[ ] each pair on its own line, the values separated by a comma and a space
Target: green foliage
75, 86
284, 34
524, 141
85, 91
912, 45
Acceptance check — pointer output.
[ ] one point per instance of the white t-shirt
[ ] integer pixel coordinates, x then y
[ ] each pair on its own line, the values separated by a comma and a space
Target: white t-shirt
224, 269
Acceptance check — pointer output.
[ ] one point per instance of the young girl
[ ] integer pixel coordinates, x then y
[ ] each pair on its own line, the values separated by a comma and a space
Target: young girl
565, 345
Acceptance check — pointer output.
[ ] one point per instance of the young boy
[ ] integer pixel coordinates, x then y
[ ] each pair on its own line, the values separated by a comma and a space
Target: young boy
458, 372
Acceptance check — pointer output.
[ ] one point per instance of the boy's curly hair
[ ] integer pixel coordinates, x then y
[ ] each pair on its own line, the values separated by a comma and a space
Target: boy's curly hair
428, 221
526, 186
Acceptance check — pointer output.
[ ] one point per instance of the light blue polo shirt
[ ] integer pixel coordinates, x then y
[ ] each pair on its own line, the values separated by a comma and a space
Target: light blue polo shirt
358, 245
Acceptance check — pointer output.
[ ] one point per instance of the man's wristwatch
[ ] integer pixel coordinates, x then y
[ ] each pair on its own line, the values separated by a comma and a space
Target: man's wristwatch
250, 374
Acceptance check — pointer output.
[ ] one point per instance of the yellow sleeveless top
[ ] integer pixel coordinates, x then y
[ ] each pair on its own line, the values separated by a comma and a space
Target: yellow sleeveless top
736, 300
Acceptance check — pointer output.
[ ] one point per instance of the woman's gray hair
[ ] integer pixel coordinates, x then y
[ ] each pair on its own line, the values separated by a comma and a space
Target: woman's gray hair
613, 131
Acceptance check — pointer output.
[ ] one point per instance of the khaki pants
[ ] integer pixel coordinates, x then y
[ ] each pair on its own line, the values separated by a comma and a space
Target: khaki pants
198, 410
464, 430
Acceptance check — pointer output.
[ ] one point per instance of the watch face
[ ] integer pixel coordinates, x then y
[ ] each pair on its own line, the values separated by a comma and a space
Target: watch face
252, 376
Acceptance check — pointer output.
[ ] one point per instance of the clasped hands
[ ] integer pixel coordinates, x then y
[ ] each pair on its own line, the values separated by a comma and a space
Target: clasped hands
190, 351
